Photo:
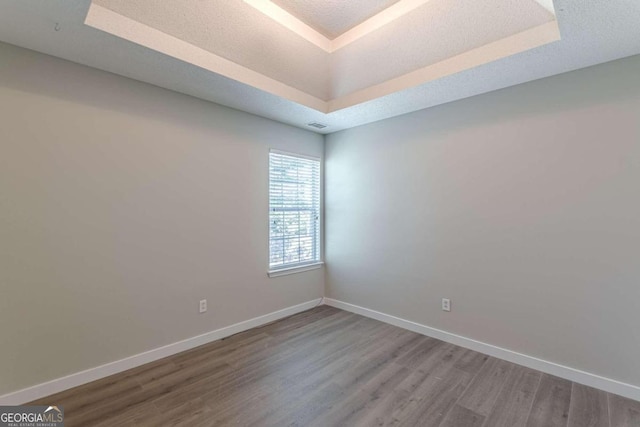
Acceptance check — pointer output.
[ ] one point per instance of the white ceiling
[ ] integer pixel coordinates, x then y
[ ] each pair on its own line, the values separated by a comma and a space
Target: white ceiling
413, 41
370, 89
436, 31
333, 17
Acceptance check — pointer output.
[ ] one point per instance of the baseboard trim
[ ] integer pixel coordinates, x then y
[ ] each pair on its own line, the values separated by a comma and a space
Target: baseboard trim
612, 386
55, 386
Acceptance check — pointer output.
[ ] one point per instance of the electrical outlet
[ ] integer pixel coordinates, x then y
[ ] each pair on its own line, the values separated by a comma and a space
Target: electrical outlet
203, 306
446, 304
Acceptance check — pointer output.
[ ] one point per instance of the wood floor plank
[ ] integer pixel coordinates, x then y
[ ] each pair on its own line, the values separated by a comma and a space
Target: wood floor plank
349, 411
186, 374
482, 394
306, 360
88, 395
416, 356
328, 367
254, 381
322, 373
134, 416
222, 348
406, 398
299, 320
624, 412
341, 363
315, 406
436, 399
384, 354
317, 330
105, 410
551, 403
513, 405
460, 416
190, 414
426, 396
276, 404
472, 362
589, 407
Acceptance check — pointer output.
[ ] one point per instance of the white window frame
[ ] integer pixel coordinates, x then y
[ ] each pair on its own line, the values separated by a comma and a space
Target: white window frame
305, 266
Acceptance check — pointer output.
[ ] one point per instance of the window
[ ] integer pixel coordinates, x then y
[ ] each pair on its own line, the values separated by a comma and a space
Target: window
294, 210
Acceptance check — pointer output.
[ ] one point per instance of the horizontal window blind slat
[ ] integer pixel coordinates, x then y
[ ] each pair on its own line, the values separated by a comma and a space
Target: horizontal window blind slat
294, 210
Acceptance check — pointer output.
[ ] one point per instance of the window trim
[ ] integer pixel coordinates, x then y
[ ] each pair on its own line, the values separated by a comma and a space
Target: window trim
285, 271
304, 266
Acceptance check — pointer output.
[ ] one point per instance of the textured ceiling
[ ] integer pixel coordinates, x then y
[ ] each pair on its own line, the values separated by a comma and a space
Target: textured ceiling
390, 58
435, 31
593, 31
333, 17
238, 32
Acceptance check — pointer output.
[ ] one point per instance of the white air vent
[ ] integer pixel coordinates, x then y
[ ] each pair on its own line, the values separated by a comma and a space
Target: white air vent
317, 125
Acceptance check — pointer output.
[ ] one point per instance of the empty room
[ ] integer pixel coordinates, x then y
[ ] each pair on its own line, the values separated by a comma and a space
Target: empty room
320, 213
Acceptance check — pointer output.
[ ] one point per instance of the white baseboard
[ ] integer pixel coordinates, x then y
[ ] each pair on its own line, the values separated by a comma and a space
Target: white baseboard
74, 380
612, 386
45, 389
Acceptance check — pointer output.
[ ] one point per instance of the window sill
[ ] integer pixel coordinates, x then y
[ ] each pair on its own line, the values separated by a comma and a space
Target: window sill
294, 270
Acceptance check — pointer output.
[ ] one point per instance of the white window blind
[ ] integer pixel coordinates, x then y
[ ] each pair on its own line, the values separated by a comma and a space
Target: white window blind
294, 210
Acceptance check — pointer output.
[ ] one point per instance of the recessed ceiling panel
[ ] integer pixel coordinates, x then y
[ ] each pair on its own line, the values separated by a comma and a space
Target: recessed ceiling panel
333, 17
127, 46
434, 32
235, 31
422, 40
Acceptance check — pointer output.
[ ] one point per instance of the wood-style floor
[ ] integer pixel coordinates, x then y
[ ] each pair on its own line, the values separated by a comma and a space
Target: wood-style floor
327, 367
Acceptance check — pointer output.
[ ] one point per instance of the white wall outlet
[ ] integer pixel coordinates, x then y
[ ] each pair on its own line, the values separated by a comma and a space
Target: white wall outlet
203, 306
446, 304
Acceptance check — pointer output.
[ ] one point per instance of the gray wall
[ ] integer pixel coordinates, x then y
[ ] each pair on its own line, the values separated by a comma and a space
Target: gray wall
121, 206
522, 206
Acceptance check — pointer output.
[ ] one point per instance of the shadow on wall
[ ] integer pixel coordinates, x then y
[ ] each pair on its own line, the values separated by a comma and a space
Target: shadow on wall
618, 81
22, 70
108, 91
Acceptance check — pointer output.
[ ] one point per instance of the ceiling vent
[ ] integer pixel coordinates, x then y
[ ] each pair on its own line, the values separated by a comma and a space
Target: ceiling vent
317, 125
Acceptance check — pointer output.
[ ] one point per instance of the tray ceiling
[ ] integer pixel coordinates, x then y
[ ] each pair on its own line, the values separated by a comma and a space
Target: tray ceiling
232, 53
332, 18
421, 41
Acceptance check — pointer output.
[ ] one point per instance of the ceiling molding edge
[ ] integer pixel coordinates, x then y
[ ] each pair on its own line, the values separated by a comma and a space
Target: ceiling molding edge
376, 22
104, 19
368, 26
517, 43
547, 4
292, 23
